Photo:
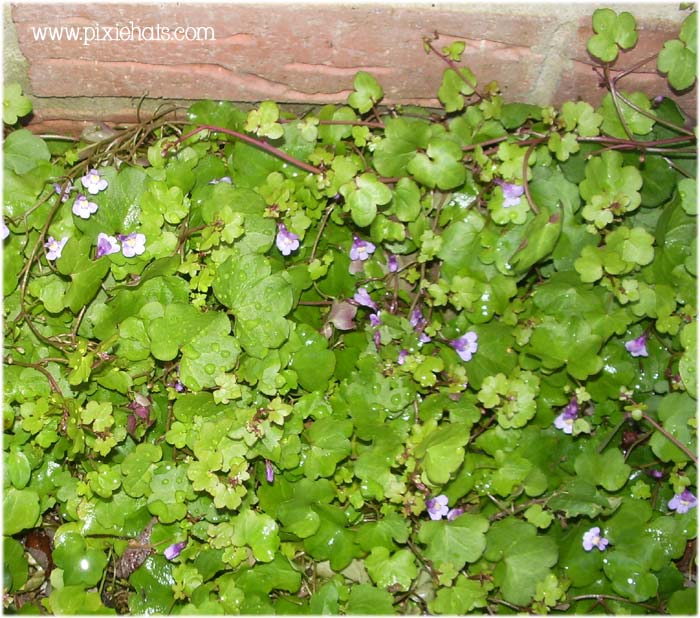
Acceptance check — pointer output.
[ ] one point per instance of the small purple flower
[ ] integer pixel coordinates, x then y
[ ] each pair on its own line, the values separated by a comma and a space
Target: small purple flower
682, 503
141, 406
424, 338
361, 249
377, 339
466, 346
375, 319
656, 474
511, 193
93, 182
179, 386
593, 539
269, 471
55, 247
286, 241
454, 513
638, 346
83, 208
417, 320
402, 357
393, 264
106, 245
4, 230
173, 551
437, 507
363, 298
658, 100
216, 181
565, 421
132, 244
65, 194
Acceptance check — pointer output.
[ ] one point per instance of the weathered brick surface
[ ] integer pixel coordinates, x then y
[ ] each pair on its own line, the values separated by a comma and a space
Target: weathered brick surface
309, 54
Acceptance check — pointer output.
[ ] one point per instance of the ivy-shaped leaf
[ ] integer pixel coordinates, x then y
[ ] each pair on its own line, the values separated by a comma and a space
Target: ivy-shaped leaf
613, 32
367, 92
678, 58
455, 86
14, 104
440, 166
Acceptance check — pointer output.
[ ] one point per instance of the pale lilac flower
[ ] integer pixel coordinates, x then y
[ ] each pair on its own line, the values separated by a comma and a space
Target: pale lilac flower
286, 241
424, 338
402, 357
363, 298
466, 346
55, 247
83, 208
377, 339
511, 193
361, 249
454, 513
65, 194
638, 346
93, 182
656, 474
342, 314
593, 539
565, 421
216, 181
437, 507
132, 244
375, 319
173, 551
179, 386
4, 230
269, 471
106, 245
682, 503
393, 264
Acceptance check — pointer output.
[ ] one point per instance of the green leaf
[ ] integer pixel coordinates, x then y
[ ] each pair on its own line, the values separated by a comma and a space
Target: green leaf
81, 565
441, 166
21, 510
366, 599
14, 104
676, 413
607, 469
263, 121
524, 558
687, 189
397, 570
456, 542
402, 138
454, 86
367, 92
442, 451
462, 597
636, 122
612, 31
363, 196
23, 151
259, 531
678, 58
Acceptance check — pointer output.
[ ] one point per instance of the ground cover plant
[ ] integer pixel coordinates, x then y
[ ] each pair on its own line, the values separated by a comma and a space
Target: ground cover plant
368, 360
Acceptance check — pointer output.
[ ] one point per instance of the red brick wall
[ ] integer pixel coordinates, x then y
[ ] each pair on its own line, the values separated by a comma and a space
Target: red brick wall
309, 54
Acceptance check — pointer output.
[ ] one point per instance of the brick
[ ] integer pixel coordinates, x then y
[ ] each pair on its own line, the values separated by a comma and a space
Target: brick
263, 53
308, 55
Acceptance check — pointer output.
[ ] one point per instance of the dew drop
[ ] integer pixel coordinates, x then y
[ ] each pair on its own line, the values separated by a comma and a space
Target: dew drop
215, 347
210, 368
